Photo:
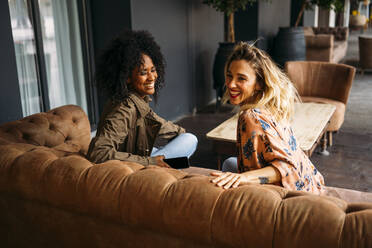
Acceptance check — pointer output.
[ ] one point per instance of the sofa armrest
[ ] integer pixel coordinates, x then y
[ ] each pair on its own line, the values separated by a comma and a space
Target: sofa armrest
319, 41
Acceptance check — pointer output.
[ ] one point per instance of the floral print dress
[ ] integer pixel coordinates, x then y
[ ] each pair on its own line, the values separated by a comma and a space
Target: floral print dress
261, 142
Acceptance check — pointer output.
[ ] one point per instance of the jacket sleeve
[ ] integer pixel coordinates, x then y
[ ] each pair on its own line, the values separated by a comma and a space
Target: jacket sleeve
112, 132
168, 129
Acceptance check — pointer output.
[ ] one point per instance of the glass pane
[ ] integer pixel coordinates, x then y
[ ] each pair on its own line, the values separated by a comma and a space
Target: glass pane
25, 50
63, 53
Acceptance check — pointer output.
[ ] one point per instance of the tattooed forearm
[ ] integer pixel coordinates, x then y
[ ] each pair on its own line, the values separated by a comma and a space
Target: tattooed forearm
263, 180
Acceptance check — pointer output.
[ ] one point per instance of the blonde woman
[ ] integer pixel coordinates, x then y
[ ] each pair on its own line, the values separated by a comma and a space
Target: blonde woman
267, 149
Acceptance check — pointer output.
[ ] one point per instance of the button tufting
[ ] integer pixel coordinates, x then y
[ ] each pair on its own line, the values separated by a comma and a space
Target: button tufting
25, 136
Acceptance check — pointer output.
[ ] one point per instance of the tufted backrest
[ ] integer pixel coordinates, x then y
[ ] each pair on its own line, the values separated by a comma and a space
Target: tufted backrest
65, 129
321, 79
166, 201
182, 205
339, 33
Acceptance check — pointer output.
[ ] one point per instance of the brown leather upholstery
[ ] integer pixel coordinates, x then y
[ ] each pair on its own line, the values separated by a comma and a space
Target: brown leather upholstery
325, 83
64, 129
326, 43
52, 201
365, 52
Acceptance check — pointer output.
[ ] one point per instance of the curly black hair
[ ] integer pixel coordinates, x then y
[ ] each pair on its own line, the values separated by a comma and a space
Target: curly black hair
122, 55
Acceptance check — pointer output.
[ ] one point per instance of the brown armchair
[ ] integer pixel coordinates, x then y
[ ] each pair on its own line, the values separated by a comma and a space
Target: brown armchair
365, 53
323, 82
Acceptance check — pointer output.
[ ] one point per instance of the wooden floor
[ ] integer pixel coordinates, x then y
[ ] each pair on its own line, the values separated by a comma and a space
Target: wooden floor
349, 164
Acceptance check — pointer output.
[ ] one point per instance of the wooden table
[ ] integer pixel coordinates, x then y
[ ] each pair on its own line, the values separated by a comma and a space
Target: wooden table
309, 124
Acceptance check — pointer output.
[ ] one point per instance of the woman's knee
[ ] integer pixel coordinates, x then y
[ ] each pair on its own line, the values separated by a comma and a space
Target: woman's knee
191, 138
230, 165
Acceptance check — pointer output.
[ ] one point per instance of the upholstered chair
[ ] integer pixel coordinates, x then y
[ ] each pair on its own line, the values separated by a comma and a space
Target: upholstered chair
365, 53
323, 82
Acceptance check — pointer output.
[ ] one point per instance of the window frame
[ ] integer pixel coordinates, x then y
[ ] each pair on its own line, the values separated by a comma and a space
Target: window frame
83, 8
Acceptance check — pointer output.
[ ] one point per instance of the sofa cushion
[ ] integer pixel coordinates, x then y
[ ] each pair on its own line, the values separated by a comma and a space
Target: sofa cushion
348, 195
319, 41
339, 51
338, 116
308, 31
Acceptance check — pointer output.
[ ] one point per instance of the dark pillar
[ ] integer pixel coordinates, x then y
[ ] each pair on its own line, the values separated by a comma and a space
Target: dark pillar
10, 99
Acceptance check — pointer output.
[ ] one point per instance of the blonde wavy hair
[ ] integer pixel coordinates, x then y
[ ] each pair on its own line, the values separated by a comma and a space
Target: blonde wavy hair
278, 93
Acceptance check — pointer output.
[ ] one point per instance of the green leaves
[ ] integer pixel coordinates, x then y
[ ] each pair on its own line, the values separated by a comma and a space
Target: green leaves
228, 6
336, 5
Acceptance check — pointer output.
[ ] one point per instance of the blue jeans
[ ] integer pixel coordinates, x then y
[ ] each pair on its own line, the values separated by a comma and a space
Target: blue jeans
230, 165
184, 145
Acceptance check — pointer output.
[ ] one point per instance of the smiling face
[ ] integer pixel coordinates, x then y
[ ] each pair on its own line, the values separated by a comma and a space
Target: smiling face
241, 82
143, 78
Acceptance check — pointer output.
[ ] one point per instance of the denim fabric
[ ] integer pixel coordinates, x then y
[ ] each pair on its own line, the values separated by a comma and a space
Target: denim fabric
230, 165
184, 145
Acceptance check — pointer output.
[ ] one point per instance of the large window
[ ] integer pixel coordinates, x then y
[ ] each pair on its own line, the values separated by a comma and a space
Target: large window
49, 46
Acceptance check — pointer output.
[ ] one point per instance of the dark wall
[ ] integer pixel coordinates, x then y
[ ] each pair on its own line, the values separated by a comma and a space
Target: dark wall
246, 23
261, 21
188, 33
295, 10
10, 99
206, 32
271, 16
107, 20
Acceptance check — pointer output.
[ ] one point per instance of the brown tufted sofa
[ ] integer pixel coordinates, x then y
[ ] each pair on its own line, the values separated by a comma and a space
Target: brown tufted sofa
51, 196
326, 43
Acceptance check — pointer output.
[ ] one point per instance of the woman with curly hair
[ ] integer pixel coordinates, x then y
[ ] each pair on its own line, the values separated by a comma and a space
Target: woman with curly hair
267, 149
130, 70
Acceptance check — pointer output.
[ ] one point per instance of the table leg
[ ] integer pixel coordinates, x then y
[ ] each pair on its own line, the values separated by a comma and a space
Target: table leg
324, 145
330, 138
219, 162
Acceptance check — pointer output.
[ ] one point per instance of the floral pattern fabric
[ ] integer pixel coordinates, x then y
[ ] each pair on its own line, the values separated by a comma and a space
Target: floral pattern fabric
261, 142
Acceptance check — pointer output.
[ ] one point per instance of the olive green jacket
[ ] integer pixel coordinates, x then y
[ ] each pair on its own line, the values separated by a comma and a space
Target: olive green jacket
127, 132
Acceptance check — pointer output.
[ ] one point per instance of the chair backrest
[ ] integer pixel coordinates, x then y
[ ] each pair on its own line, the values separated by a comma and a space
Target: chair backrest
321, 79
365, 52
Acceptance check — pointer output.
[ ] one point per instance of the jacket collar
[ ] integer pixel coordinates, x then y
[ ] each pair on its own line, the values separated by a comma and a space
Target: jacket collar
142, 104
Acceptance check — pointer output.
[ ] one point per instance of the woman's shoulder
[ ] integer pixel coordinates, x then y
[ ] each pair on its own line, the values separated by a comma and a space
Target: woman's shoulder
119, 109
254, 114
257, 117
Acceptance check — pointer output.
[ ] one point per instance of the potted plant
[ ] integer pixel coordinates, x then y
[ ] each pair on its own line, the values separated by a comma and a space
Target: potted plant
336, 5
228, 7
357, 19
290, 42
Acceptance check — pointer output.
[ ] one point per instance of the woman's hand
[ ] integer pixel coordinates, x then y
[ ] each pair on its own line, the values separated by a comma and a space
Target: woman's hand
228, 179
269, 174
160, 162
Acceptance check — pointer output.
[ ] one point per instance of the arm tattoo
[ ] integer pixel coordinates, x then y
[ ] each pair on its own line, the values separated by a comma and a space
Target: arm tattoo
263, 180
